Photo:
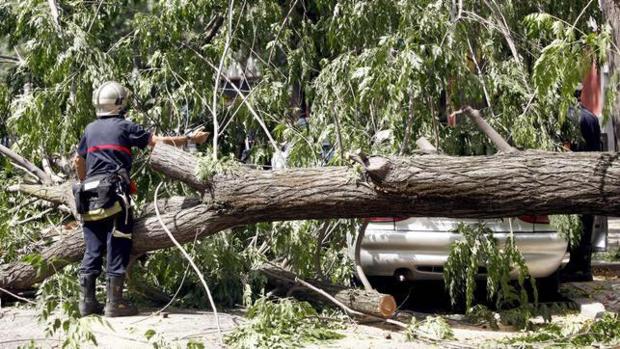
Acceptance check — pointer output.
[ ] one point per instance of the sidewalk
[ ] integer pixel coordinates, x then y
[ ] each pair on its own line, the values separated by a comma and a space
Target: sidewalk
594, 296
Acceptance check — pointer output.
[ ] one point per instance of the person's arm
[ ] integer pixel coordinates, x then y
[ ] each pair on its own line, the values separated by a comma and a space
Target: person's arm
79, 164
198, 137
79, 161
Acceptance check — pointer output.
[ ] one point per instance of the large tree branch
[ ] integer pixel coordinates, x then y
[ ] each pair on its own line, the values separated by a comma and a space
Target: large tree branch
56, 194
500, 185
426, 185
59, 194
21, 161
476, 118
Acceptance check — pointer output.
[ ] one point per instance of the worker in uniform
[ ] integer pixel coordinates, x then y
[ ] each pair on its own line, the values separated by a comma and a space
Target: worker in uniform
589, 97
103, 164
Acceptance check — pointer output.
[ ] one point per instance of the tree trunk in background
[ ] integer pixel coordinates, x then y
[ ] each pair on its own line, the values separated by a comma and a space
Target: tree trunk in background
611, 14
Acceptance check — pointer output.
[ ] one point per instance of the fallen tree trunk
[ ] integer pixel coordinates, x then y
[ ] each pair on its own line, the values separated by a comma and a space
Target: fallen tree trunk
365, 301
501, 185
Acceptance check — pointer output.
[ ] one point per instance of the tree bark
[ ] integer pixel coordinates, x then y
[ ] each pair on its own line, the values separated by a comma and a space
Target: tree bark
611, 13
366, 301
502, 185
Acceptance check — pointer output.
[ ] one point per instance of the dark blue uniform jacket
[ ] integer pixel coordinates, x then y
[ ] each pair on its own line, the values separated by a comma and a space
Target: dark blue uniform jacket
106, 144
590, 130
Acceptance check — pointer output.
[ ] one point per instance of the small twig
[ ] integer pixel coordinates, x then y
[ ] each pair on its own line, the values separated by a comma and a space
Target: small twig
290, 11
332, 228
358, 248
190, 260
213, 28
480, 76
54, 11
317, 254
260, 121
33, 218
9, 58
217, 79
405, 143
90, 26
503, 28
339, 136
435, 123
47, 167
175, 293
27, 173
489, 131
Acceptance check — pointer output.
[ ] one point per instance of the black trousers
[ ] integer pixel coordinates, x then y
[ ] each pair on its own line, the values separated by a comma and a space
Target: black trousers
581, 255
112, 235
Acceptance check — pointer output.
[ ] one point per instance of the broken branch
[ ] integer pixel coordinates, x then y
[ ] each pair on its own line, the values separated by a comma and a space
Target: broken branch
21, 161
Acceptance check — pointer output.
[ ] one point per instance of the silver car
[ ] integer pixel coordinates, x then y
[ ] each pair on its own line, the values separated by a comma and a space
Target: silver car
417, 248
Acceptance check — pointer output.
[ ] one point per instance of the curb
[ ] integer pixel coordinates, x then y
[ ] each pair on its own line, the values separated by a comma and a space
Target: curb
606, 268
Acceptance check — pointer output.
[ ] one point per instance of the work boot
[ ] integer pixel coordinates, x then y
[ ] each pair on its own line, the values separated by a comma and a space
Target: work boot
115, 304
88, 299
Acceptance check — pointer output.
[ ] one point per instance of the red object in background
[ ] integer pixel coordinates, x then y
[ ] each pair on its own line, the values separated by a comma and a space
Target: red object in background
591, 92
133, 188
535, 219
385, 219
543, 219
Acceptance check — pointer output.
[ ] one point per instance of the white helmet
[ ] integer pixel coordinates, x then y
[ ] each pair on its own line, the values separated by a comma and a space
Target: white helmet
111, 98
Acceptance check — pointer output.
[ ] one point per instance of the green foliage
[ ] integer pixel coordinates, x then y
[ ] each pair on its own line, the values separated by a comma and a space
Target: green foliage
284, 323
433, 327
479, 248
209, 167
21, 234
519, 317
480, 314
391, 53
569, 226
58, 304
604, 331
612, 255
297, 241
225, 261
229, 259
